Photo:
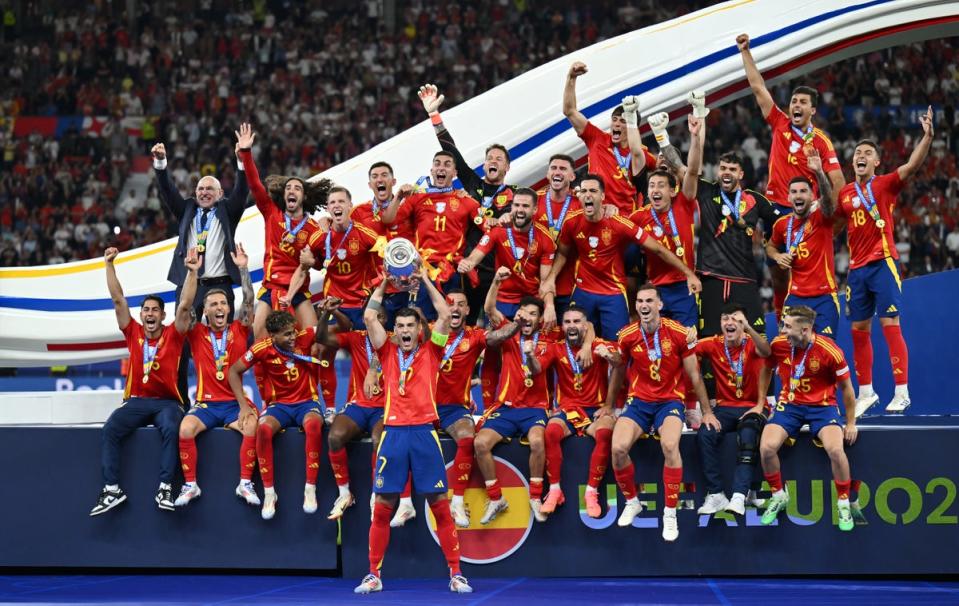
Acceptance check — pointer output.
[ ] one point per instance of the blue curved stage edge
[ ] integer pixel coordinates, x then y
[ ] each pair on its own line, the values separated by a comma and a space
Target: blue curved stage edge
910, 475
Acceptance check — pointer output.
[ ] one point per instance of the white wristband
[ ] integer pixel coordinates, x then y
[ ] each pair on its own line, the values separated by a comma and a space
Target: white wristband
159, 164
662, 138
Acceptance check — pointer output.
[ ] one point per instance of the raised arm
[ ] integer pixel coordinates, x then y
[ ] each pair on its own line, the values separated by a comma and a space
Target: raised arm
244, 140
442, 324
919, 154
120, 305
388, 216
763, 350
236, 201
756, 82
245, 313
184, 310
489, 306
827, 201
329, 308
631, 116
432, 101
694, 161
166, 188
575, 117
374, 329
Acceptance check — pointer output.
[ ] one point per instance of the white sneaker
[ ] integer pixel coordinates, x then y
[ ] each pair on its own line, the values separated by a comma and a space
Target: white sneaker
493, 509
630, 511
461, 516
404, 513
714, 503
670, 525
370, 584
309, 498
737, 504
536, 505
187, 494
459, 584
863, 403
898, 404
269, 506
246, 491
752, 499
340, 505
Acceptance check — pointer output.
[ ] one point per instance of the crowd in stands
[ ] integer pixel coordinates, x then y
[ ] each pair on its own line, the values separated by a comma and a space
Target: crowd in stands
328, 81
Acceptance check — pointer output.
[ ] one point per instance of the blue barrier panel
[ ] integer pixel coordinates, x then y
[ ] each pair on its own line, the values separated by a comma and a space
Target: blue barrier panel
56, 480
909, 494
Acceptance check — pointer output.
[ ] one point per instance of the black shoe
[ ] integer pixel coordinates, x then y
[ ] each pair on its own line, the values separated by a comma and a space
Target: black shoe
108, 500
164, 499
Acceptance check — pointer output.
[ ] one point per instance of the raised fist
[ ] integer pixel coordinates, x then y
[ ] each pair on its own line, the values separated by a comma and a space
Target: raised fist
577, 69
697, 99
742, 41
158, 151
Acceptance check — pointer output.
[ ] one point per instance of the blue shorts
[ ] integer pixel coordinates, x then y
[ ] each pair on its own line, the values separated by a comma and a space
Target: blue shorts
406, 449
633, 258
793, 416
451, 413
608, 313
514, 422
365, 417
652, 416
355, 314
216, 414
292, 414
577, 421
507, 309
874, 287
827, 312
678, 304
266, 295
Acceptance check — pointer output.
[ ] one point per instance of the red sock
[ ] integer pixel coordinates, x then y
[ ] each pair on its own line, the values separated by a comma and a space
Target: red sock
340, 465
842, 490
379, 535
446, 533
862, 355
247, 457
672, 478
536, 489
188, 458
898, 353
493, 491
459, 473
775, 481
626, 478
779, 301
408, 489
554, 451
264, 453
599, 460
313, 428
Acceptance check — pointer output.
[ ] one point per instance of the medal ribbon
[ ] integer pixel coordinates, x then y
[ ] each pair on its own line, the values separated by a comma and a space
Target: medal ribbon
621, 160
869, 201
558, 223
201, 227
805, 136
512, 246
292, 231
149, 354
577, 369
798, 370
429, 188
736, 366
791, 243
451, 348
219, 348
329, 239
656, 352
488, 200
733, 207
405, 364
295, 356
522, 352
674, 228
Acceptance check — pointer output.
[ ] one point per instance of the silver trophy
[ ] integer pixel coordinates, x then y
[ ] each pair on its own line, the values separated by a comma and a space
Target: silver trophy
400, 260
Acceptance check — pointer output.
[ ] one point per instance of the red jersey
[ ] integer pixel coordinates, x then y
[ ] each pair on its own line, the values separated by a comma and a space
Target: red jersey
281, 257
593, 383
349, 255
553, 220
813, 267
825, 366
615, 171
787, 158
164, 372
364, 213
867, 241
599, 247
457, 364
293, 380
660, 273
513, 389
655, 381
417, 404
440, 221
357, 343
529, 250
743, 394
210, 387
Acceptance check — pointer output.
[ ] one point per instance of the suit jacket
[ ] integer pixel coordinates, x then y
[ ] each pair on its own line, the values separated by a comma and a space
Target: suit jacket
229, 211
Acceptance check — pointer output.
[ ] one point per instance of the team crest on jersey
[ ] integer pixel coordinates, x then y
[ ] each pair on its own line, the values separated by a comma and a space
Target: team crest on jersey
814, 364
454, 204
354, 247
502, 200
607, 236
593, 241
464, 346
440, 207
667, 346
794, 147
340, 253
532, 247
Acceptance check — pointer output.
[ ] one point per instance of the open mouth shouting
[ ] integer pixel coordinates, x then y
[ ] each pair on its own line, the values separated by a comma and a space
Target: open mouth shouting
151, 323
727, 182
797, 115
456, 317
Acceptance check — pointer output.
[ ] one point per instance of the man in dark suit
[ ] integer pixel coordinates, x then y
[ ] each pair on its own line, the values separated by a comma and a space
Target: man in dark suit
207, 223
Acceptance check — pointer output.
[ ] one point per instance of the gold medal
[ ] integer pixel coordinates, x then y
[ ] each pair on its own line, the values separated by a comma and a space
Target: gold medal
200, 248
219, 375
489, 212
680, 251
478, 220
518, 268
402, 390
791, 396
881, 223
288, 238
145, 379
325, 363
376, 390
739, 393
528, 382
578, 385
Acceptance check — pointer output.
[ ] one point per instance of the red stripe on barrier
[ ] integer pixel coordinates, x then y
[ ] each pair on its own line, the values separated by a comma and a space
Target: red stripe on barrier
86, 346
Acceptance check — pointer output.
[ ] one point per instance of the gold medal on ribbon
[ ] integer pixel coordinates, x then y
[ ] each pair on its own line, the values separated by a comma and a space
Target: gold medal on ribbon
578, 384
325, 363
219, 375
518, 268
791, 396
881, 223
739, 393
488, 212
200, 248
376, 390
680, 252
146, 378
478, 220
528, 382
288, 238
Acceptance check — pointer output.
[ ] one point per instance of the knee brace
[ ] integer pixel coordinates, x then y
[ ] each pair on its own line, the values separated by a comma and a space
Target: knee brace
748, 430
